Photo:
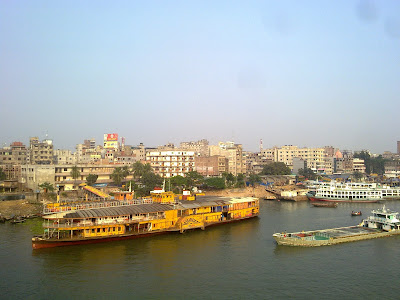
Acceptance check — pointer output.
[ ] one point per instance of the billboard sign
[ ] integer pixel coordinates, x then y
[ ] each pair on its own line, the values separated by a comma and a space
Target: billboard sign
111, 137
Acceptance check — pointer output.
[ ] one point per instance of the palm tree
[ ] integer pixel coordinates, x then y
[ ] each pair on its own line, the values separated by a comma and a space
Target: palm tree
117, 176
137, 169
75, 173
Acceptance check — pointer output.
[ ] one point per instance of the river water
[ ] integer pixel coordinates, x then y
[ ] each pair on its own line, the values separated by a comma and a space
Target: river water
233, 261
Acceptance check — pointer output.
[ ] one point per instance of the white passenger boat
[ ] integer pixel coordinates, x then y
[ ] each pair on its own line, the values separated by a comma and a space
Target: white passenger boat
383, 219
353, 192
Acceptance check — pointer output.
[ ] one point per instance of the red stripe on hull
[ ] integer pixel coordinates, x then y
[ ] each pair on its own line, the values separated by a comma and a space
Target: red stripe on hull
342, 200
51, 244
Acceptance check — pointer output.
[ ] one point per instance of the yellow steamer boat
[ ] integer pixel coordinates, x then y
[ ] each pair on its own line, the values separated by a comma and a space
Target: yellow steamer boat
160, 215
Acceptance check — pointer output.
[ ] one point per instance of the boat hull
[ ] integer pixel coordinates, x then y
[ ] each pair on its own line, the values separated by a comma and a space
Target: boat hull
39, 243
315, 198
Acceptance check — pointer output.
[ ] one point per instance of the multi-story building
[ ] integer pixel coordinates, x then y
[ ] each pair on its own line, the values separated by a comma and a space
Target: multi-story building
34, 175
64, 157
298, 163
392, 168
358, 165
234, 153
200, 147
398, 147
313, 156
13, 172
171, 163
60, 175
15, 154
138, 153
255, 162
41, 153
210, 166
344, 165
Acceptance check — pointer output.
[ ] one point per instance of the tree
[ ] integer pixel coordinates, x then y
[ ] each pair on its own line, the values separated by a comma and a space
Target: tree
178, 182
125, 171
47, 186
276, 168
357, 175
253, 179
372, 164
2, 174
117, 175
149, 182
307, 173
367, 160
140, 169
75, 174
91, 179
240, 180
229, 178
193, 178
378, 165
137, 169
217, 183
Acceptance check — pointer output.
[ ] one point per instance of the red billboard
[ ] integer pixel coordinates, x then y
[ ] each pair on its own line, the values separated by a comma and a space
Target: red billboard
111, 137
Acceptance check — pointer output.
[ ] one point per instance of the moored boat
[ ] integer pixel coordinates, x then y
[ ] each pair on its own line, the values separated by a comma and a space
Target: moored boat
324, 204
352, 192
334, 192
381, 223
102, 224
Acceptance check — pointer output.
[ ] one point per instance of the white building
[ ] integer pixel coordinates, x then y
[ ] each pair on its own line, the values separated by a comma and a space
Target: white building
171, 163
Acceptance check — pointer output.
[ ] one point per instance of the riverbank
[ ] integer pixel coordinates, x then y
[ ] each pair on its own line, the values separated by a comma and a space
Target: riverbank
15, 208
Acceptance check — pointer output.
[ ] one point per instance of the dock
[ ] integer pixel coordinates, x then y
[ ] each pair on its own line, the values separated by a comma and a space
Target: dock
331, 236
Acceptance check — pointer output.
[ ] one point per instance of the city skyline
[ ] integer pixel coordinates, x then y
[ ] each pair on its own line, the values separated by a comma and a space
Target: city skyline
310, 74
100, 142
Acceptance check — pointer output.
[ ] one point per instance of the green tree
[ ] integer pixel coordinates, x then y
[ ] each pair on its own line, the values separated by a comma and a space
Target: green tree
91, 179
75, 174
357, 175
276, 168
240, 180
149, 182
217, 183
307, 173
378, 165
2, 175
178, 183
229, 178
117, 176
137, 169
46, 187
253, 179
193, 178
372, 164
125, 171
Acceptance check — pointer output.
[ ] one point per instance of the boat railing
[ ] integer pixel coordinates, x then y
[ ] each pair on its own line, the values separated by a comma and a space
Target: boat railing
102, 223
93, 205
379, 219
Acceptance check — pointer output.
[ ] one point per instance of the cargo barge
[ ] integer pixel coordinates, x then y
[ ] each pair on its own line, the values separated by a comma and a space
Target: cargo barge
382, 223
162, 215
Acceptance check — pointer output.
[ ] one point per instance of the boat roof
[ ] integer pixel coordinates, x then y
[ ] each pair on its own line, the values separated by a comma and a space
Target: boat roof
202, 201
118, 211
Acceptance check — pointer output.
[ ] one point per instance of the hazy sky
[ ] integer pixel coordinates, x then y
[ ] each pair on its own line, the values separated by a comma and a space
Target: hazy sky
305, 73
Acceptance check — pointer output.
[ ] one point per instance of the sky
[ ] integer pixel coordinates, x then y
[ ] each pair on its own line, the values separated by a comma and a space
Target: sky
304, 73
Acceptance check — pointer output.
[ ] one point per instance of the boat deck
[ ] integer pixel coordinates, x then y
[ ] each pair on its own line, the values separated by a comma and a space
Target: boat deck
347, 231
